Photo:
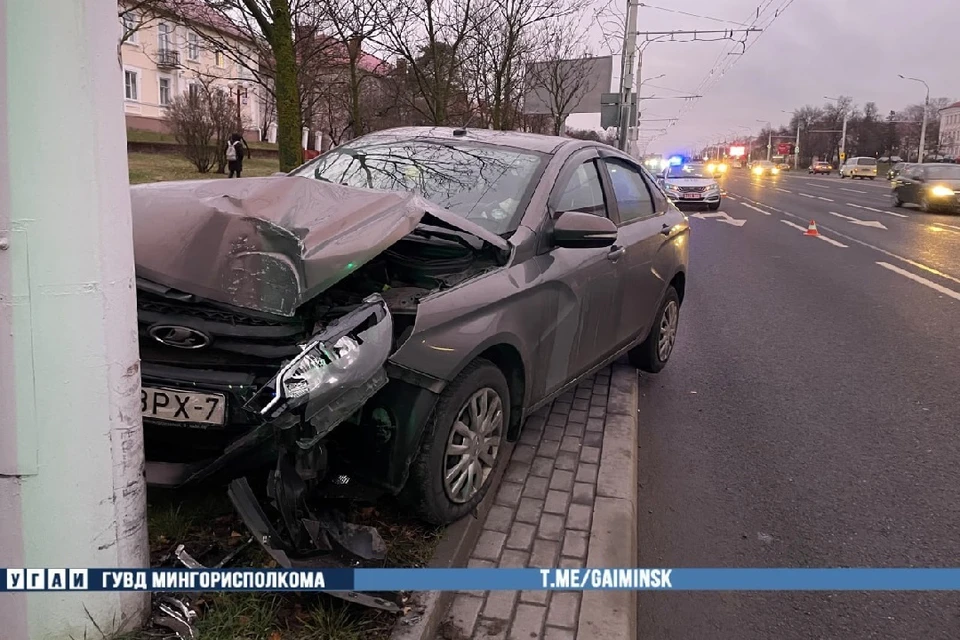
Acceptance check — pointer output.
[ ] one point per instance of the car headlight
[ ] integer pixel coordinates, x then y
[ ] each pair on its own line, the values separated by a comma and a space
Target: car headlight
711, 168
941, 191
774, 170
722, 168
757, 170
309, 370
673, 187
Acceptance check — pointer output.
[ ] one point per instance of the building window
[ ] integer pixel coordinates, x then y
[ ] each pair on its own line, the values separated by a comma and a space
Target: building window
130, 26
163, 36
194, 91
131, 80
165, 92
220, 59
193, 46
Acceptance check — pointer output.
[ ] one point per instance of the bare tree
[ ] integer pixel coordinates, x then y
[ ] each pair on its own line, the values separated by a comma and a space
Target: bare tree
505, 34
430, 38
202, 121
561, 77
136, 15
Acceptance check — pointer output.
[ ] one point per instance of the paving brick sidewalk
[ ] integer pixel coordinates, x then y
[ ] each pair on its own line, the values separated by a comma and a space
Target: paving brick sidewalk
541, 517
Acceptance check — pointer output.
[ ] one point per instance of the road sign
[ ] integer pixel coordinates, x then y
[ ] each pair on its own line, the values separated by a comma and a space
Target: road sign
784, 148
610, 109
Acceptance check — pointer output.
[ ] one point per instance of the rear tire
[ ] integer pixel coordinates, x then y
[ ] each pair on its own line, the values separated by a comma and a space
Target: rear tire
479, 401
873, 177
897, 202
650, 355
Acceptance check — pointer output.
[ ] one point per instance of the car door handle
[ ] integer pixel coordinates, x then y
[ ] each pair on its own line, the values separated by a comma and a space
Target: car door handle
667, 228
616, 253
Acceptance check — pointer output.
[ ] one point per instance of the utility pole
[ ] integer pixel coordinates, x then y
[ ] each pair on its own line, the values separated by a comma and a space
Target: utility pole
796, 146
72, 489
626, 72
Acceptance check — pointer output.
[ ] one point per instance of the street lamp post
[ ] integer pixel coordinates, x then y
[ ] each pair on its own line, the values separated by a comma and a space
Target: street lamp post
923, 125
843, 133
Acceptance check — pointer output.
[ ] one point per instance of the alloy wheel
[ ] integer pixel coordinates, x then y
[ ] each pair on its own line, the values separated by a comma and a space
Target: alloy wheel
473, 445
668, 330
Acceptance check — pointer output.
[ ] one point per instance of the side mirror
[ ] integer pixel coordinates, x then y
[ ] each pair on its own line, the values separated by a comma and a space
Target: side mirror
578, 230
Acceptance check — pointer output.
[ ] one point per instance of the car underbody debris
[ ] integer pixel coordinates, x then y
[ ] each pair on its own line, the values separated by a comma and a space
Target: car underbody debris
305, 539
176, 615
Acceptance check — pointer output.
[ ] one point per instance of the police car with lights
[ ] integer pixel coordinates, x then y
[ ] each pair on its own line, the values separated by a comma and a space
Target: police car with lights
689, 183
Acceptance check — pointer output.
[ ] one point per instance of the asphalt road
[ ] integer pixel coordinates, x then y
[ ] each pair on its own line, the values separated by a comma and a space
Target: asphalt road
810, 415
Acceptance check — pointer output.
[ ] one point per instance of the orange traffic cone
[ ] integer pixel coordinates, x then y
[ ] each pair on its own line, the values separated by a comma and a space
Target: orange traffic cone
812, 229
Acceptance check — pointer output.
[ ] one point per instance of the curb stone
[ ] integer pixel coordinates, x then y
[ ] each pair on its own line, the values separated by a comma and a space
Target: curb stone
612, 615
428, 607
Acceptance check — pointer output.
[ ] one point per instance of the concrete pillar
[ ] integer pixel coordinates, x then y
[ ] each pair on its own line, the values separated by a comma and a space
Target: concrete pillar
272, 133
318, 141
71, 442
304, 137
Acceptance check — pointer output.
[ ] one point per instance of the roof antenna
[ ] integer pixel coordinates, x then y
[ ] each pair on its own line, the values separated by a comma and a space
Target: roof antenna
462, 131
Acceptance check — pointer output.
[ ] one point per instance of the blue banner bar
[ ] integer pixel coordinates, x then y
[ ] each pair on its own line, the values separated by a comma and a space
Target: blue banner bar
195, 580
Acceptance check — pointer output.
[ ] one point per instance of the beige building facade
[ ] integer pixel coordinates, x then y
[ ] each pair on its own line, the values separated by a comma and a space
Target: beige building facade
165, 56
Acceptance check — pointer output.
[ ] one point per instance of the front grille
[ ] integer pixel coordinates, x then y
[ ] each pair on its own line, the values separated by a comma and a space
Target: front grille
692, 189
237, 339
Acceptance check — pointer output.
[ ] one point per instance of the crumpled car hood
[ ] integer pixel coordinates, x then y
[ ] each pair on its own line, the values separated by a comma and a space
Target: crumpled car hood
271, 244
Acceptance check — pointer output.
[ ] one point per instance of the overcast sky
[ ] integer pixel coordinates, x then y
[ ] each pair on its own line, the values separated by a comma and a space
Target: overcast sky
814, 48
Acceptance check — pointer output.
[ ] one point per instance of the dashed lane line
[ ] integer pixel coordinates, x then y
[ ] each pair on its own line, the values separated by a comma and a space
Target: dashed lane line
851, 190
822, 198
913, 263
807, 195
822, 237
927, 283
889, 213
750, 206
783, 190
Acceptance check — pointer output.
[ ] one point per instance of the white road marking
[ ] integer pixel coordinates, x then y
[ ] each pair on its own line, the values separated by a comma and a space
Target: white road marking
914, 263
784, 190
889, 213
750, 206
721, 217
927, 283
822, 237
851, 190
944, 224
862, 223
822, 198
807, 195
812, 184
941, 227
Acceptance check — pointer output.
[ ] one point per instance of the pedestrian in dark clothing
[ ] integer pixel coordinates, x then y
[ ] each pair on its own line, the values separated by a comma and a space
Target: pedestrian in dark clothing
236, 150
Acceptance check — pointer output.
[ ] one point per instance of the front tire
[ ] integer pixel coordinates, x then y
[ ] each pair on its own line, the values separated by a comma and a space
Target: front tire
713, 206
924, 204
652, 354
897, 202
461, 444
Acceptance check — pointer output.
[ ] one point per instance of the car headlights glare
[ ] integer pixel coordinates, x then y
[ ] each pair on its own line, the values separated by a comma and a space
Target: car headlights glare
757, 170
941, 191
775, 170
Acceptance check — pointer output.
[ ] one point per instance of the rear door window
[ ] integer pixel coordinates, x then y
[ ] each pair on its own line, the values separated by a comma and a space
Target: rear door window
868, 161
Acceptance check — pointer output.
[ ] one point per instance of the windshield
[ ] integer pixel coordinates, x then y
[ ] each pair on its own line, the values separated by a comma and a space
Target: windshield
867, 161
484, 184
944, 173
689, 171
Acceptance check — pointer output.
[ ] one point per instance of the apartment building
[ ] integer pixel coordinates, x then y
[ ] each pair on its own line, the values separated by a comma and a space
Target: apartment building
950, 130
167, 55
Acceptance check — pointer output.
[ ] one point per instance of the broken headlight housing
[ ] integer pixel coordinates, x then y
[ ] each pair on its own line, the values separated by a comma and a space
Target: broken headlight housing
311, 369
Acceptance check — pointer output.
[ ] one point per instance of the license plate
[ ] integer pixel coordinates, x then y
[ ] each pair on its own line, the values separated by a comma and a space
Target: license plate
692, 196
183, 406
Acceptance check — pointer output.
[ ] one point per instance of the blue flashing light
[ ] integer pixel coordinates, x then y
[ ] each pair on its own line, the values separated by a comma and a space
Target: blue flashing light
675, 161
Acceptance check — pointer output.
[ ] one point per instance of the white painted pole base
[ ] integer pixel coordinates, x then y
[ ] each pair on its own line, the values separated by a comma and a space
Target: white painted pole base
71, 442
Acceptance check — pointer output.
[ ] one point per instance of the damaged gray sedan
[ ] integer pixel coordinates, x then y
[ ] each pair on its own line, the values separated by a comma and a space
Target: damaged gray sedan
384, 317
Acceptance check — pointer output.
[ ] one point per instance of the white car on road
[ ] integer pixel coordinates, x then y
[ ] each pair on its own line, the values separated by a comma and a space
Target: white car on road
691, 183
862, 167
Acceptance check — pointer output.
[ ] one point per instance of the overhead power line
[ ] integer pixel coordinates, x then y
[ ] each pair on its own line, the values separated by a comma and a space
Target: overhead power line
687, 13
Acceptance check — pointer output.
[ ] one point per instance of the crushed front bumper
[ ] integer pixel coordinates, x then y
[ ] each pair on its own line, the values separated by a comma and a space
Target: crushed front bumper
336, 372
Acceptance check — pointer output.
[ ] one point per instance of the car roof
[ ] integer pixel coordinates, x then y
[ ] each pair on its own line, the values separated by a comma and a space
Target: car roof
515, 139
